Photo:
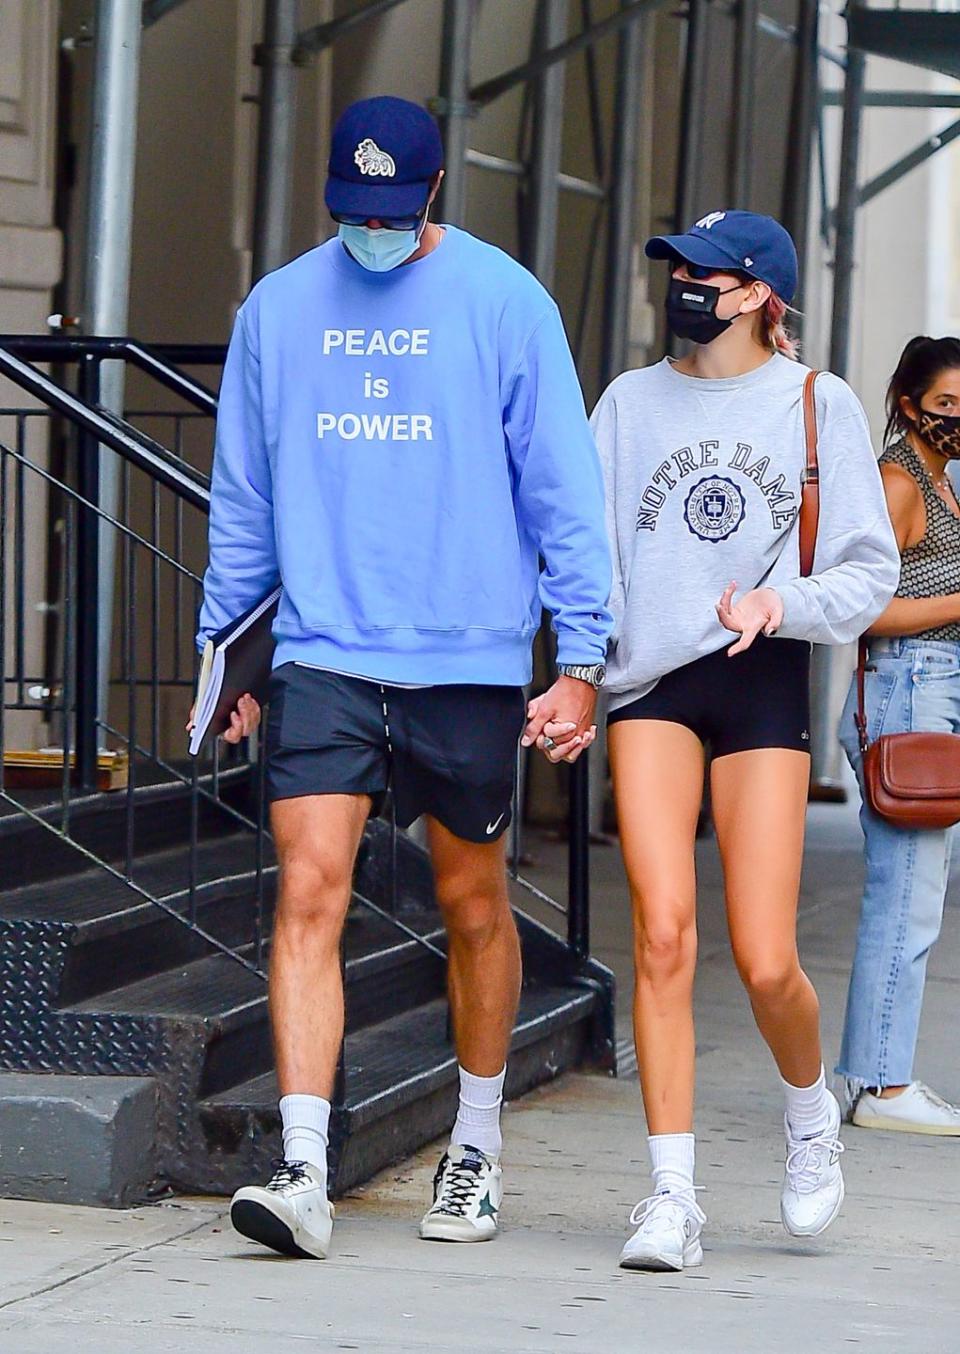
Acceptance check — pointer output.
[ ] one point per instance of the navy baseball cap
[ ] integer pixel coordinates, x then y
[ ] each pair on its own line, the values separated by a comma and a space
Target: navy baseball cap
740, 242
383, 154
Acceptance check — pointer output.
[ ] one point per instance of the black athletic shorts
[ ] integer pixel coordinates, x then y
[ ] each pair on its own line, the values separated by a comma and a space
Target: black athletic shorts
449, 751
757, 699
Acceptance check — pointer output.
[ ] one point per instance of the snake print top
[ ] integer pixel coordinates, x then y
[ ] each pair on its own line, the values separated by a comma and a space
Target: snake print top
931, 568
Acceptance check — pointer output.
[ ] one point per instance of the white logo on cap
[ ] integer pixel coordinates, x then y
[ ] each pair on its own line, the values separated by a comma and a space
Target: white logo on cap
748, 263
370, 159
706, 222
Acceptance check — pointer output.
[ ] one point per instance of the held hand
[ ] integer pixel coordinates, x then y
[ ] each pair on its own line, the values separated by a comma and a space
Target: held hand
563, 714
759, 609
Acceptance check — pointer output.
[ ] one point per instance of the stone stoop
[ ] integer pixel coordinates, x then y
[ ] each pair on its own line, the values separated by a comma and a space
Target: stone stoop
77, 1139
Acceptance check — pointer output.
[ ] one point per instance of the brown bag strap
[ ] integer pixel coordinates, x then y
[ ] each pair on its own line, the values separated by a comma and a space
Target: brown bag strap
810, 482
861, 715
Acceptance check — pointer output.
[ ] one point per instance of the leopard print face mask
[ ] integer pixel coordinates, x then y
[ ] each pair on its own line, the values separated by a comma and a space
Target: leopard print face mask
941, 432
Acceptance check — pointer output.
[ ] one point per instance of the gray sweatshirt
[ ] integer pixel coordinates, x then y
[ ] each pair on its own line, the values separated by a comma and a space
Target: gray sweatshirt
703, 488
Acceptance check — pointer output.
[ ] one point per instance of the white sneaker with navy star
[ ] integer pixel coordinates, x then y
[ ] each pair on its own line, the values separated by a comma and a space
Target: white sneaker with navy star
668, 1233
813, 1181
467, 1194
290, 1214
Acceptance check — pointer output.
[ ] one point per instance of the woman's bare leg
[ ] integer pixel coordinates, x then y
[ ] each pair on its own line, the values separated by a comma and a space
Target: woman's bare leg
759, 809
658, 785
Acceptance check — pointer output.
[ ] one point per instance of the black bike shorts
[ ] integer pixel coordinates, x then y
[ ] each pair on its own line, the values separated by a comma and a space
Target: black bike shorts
757, 699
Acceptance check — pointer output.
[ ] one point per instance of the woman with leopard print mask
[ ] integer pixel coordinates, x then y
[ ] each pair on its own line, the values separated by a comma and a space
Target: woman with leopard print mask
912, 684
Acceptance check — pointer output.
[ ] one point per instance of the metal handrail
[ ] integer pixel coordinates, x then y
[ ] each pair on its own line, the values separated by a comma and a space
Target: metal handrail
112, 431
160, 361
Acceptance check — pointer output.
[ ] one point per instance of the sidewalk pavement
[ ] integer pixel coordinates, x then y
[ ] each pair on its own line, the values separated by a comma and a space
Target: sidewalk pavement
173, 1278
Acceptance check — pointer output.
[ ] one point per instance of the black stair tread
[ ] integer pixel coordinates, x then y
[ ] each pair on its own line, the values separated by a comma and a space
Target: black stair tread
217, 986
95, 895
153, 784
213, 986
410, 1049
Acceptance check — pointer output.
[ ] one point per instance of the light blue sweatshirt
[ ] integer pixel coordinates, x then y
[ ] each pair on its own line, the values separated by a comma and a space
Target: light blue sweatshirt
400, 449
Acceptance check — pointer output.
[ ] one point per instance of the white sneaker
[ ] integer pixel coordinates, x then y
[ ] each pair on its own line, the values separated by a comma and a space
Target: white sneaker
813, 1182
915, 1110
668, 1234
467, 1194
291, 1214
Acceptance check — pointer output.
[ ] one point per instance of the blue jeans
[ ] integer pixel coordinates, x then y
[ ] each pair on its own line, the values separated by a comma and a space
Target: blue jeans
914, 685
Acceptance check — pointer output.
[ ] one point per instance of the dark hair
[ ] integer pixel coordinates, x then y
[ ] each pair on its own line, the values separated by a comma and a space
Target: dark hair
921, 362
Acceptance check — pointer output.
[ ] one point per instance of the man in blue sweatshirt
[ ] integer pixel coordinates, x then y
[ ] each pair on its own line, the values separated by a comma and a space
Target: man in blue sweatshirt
401, 439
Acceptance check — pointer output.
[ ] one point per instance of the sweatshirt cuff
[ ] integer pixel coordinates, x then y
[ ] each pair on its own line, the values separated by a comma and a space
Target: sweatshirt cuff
583, 649
796, 613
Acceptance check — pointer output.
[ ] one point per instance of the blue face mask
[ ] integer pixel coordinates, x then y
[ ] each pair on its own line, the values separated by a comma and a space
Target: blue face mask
379, 251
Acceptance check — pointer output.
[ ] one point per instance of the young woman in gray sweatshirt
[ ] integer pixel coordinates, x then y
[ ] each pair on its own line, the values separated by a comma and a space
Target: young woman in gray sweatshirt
703, 459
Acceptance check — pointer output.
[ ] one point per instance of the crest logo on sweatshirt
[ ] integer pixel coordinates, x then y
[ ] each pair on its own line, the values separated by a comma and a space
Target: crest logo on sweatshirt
714, 509
370, 159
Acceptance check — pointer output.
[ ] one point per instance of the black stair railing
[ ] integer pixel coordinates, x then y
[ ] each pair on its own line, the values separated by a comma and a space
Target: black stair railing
154, 532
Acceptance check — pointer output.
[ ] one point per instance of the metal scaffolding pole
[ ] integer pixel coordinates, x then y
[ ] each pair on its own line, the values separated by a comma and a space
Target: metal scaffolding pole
113, 145
744, 83
826, 678
624, 171
803, 121
691, 126
547, 144
621, 243
846, 218
273, 202
453, 107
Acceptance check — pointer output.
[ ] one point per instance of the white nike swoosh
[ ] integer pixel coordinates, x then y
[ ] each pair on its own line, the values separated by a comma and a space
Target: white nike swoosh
492, 827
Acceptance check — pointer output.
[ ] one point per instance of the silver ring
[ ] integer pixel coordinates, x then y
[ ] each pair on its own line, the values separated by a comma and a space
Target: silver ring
548, 743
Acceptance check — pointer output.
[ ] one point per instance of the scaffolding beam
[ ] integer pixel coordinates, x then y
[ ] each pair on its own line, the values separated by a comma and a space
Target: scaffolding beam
824, 749
744, 86
453, 107
492, 89
547, 144
804, 111
324, 35
846, 218
624, 173
273, 203
691, 127
106, 304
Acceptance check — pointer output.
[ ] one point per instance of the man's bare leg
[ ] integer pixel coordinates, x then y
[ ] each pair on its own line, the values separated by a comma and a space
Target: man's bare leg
316, 837
483, 981
484, 949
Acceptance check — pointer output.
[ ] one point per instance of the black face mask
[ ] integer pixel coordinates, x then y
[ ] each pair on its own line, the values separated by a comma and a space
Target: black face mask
941, 432
692, 310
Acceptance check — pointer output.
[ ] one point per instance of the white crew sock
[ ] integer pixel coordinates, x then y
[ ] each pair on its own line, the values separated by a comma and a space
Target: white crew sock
306, 1120
672, 1160
809, 1108
478, 1117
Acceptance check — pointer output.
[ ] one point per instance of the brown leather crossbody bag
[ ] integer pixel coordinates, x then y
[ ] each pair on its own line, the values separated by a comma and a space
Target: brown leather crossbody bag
911, 779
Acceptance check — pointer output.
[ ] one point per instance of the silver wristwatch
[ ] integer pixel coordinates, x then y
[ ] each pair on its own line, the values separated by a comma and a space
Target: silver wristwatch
594, 673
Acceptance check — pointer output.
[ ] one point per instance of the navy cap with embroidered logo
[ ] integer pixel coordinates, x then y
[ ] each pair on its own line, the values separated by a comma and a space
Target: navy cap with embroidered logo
740, 242
383, 154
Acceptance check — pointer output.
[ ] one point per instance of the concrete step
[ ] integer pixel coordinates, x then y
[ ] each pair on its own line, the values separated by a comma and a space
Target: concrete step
77, 1139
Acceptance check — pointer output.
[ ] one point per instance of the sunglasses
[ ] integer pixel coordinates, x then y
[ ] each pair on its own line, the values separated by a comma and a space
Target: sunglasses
699, 272
387, 222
